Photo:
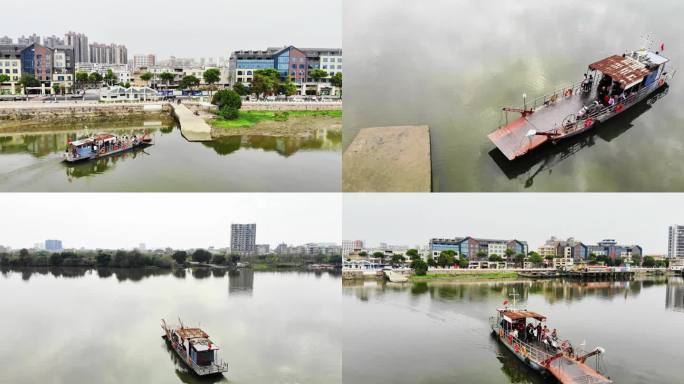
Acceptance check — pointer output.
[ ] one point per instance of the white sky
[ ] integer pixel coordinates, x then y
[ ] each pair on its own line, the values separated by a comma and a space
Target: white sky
412, 219
197, 220
198, 28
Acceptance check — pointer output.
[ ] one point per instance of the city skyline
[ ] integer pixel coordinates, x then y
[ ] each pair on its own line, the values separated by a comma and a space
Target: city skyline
218, 29
533, 218
205, 223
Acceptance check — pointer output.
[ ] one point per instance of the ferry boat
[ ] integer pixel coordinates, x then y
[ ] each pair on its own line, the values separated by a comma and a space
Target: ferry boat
102, 145
194, 347
610, 87
550, 356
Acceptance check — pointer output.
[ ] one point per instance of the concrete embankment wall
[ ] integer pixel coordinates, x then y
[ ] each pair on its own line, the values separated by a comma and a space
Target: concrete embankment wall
53, 112
271, 106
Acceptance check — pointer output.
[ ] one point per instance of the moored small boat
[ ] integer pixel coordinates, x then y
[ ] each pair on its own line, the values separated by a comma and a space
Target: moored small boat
102, 145
544, 352
195, 349
610, 87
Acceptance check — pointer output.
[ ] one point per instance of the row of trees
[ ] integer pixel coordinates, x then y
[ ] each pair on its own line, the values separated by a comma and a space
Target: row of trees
119, 259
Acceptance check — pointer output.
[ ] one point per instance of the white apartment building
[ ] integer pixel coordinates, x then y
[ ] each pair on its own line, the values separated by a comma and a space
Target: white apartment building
675, 241
330, 64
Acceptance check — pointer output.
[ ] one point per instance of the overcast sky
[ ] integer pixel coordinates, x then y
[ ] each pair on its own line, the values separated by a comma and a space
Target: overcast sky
198, 28
412, 219
159, 220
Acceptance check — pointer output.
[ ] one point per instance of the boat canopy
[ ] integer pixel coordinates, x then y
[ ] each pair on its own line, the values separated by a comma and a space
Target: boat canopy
623, 69
191, 333
203, 344
514, 314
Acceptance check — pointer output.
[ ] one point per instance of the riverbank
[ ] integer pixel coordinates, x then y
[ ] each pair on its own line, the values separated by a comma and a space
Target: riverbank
20, 115
278, 123
465, 276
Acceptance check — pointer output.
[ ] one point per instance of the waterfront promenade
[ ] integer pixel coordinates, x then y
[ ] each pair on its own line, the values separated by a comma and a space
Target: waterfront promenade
193, 127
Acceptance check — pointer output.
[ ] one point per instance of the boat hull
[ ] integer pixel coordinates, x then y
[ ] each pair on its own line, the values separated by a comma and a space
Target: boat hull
96, 156
209, 371
515, 140
526, 360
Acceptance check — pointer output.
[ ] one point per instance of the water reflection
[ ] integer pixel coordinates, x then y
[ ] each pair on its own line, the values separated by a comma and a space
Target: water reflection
674, 294
553, 291
283, 145
99, 166
543, 159
240, 282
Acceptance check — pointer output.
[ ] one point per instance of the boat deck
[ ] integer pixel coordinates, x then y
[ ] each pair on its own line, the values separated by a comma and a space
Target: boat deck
569, 371
512, 139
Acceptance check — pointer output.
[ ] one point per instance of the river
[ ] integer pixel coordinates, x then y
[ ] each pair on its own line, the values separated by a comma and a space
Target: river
454, 64
31, 161
438, 332
78, 326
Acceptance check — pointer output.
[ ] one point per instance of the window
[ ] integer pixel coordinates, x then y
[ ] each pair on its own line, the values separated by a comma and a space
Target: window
325, 59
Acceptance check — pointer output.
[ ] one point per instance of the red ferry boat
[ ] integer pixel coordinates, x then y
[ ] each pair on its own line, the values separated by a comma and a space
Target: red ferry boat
610, 87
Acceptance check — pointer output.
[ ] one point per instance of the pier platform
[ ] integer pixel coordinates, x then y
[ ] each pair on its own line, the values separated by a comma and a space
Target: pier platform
388, 159
193, 127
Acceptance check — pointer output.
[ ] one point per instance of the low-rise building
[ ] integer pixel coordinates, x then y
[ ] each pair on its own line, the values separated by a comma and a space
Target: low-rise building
475, 249
10, 65
291, 63
563, 262
118, 93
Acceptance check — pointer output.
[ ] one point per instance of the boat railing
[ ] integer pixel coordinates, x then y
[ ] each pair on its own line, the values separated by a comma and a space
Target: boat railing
618, 106
550, 98
532, 351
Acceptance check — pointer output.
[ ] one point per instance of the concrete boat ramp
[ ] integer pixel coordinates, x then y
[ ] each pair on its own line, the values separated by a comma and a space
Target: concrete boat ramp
388, 159
193, 127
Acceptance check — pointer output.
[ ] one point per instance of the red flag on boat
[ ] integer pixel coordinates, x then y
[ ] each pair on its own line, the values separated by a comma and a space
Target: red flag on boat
662, 47
505, 302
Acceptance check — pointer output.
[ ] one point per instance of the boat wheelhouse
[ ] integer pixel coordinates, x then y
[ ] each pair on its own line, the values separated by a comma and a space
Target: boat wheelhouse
101, 145
610, 86
194, 347
519, 331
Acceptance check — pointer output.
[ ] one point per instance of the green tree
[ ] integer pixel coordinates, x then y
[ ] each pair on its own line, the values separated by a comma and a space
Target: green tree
81, 79
241, 89
4, 78
336, 80
212, 76
228, 103
379, 255
412, 254
419, 266
234, 259
147, 76
103, 259
591, 260
509, 253
318, 74
618, 261
265, 81
496, 258
55, 88
167, 77
363, 253
95, 78
55, 259
397, 260
463, 262
110, 77
27, 80
189, 82
179, 257
287, 87
481, 255
649, 261
219, 259
201, 256
24, 257
536, 258
431, 261
636, 260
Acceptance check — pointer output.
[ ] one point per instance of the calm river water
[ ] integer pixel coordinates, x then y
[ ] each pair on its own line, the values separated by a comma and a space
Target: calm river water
32, 162
439, 332
454, 64
72, 326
